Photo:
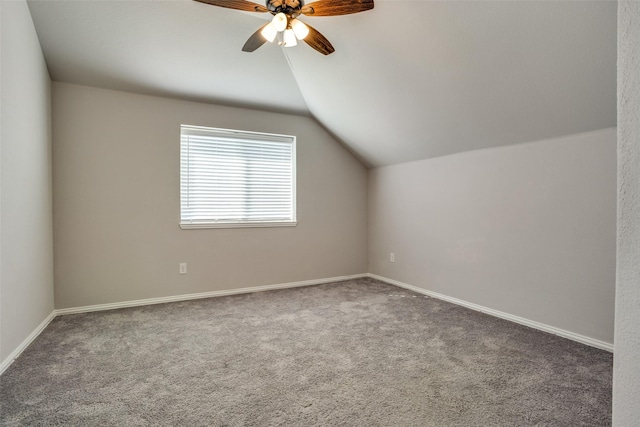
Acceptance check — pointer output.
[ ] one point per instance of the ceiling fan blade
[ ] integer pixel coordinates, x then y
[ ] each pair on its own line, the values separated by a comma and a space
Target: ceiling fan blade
247, 6
255, 41
336, 7
318, 41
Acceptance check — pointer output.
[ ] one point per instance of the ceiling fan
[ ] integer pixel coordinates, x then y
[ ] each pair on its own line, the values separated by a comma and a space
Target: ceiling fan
285, 25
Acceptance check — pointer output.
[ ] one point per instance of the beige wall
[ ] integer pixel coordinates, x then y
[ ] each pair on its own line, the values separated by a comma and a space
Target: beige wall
26, 266
626, 364
527, 229
116, 203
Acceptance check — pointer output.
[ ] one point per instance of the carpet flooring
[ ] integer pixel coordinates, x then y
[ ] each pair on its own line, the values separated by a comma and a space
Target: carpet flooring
354, 353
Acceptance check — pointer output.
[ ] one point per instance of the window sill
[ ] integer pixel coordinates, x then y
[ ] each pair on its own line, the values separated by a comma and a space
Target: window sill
196, 225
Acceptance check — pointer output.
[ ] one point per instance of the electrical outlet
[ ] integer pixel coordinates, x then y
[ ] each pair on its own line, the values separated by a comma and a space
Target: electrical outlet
392, 257
183, 268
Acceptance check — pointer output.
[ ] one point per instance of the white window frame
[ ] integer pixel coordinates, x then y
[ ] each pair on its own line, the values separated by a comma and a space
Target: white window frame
230, 135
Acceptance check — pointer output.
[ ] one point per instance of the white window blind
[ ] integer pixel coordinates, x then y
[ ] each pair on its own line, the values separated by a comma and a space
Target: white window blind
236, 179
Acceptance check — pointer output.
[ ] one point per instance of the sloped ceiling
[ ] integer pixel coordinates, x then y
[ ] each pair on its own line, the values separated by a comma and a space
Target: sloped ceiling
172, 48
409, 80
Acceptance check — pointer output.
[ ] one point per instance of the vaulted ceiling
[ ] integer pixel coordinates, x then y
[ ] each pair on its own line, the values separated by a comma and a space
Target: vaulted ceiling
409, 79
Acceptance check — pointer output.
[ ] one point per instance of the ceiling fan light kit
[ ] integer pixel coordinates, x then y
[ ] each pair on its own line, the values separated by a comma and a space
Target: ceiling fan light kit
291, 29
286, 27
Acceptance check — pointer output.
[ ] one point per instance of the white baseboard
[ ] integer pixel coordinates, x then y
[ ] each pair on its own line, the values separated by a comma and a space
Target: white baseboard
516, 319
174, 298
32, 336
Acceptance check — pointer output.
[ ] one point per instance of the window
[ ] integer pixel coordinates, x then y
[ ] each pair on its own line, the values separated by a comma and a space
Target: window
234, 178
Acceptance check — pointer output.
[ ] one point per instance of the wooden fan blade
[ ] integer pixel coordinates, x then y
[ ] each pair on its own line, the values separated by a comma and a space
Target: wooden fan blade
336, 7
318, 41
247, 6
255, 41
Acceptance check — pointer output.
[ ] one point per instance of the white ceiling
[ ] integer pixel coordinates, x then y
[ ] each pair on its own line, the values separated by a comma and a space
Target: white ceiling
176, 48
409, 80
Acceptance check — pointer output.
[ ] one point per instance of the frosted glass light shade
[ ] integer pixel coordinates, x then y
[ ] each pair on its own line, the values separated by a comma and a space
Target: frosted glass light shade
279, 21
289, 38
301, 31
269, 32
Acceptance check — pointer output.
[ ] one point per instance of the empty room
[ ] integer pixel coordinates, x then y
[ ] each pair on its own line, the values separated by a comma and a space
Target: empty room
319, 213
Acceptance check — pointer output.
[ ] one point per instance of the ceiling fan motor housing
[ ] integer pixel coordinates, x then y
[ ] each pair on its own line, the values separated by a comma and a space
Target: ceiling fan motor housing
288, 7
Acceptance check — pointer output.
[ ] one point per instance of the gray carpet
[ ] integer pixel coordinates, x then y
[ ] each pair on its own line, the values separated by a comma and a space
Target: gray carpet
357, 353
